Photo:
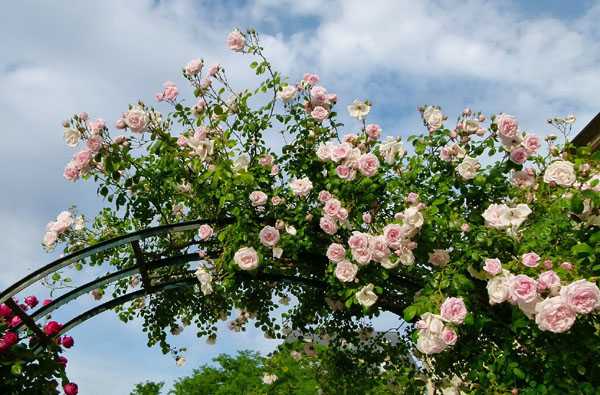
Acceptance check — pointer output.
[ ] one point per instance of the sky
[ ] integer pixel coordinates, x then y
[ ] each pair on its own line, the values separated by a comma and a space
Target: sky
534, 60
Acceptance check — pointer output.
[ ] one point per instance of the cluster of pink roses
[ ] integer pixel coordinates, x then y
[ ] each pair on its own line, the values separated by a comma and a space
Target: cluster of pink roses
82, 162
333, 211
169, 92
500, 216
349, 157
365, 248
437, 332
553, 306
64, 222
520, 146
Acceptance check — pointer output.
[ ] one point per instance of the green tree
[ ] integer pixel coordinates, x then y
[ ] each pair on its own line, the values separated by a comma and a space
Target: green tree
147, 388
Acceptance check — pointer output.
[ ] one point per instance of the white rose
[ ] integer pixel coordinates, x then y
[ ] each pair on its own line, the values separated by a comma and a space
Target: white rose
429, 343
391, 149
497, 287
413, 217
287, 93
246, 258
560, 172
468, 168
359, 109
205, 279
497, 216
241, 163
433, 118
517, 215
366, 296
71, 136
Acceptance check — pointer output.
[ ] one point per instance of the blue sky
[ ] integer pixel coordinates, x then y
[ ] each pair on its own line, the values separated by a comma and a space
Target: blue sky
531, 59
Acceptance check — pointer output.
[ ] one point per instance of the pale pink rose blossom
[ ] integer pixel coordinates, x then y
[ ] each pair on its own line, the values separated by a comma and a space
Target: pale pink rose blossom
336, 252
332, 206
379, 248
345, 172
97, 126
287, 93
453, 310
311, 79
449, 336
519, 155
507, 125
246, 258
492, 266
169, 92
136, 119
213, 70
554, 315
342, 214
324, 196
193, 67
83, 158
205, 231
318, 96
236, 41
412, 198
199, 107
532, 143
71, 172
394, 234
319, 113
340, 151
497, 216
439, 257
269, 236
328, 225
368, 164
373, 131
568, 266
94, 143
548, 280
524, 178
561, 173
276, 200
258, 198
465, 227
522, 289
120, 124
345, 271
358, 240
301, 187
582, 296
530, 259
324, 151
266, 160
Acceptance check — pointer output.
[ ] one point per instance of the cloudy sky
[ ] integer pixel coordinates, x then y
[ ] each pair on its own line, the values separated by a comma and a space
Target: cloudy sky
530, 59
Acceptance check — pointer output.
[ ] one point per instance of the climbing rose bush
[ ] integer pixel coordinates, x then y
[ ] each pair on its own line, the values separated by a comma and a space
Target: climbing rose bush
480, 236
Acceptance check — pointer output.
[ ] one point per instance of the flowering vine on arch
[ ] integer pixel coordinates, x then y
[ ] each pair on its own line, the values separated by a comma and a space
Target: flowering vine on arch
479, 236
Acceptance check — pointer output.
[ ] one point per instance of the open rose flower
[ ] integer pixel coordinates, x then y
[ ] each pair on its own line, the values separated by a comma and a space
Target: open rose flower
258, 198
336, 252
561, 173
439, 257
301, 187
246, 258
530, 259
497, 287
468, 168
582, 296
287, 93
366, 297
328, 225
319, 113
549, 280
205, 231
522, 288
236, 41
345, 271
507, 125
368, 164
269, 236
359, 109
433, 117
136, 119
453, 310
554, 315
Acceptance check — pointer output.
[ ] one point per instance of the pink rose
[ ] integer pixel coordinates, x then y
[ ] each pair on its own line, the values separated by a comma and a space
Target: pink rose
83, 158
15, 321
236, 41
328, 225
269, 236
52, 328
31, 301
67, 341
301, 187
449, 336
120, 124
368, 164
394, 234
554, 315
373, 131
492, 266
136, 119
5, 311
345, 172
169, 92
507, 125
568, 266
193, 67
199, 107
332, 206
532, 143
8, 340
342, 214
319, 113
524, 178
548, 280
453, 310
336, 252
324, 196
345, 271
213, 70
94, 143
205, 231
362, 255
71, 172
358, 240
340, 151
439, 257
70, 389
582, 296
519, 155
246, 258
522, 288
324, 151
379, 248
311, 79
318, 96
276, 200
412, 198
530, 259
258, 198
465, 227
97, 126
266, 160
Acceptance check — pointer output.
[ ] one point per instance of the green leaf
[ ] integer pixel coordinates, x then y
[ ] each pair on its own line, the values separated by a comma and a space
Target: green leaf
410, 312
